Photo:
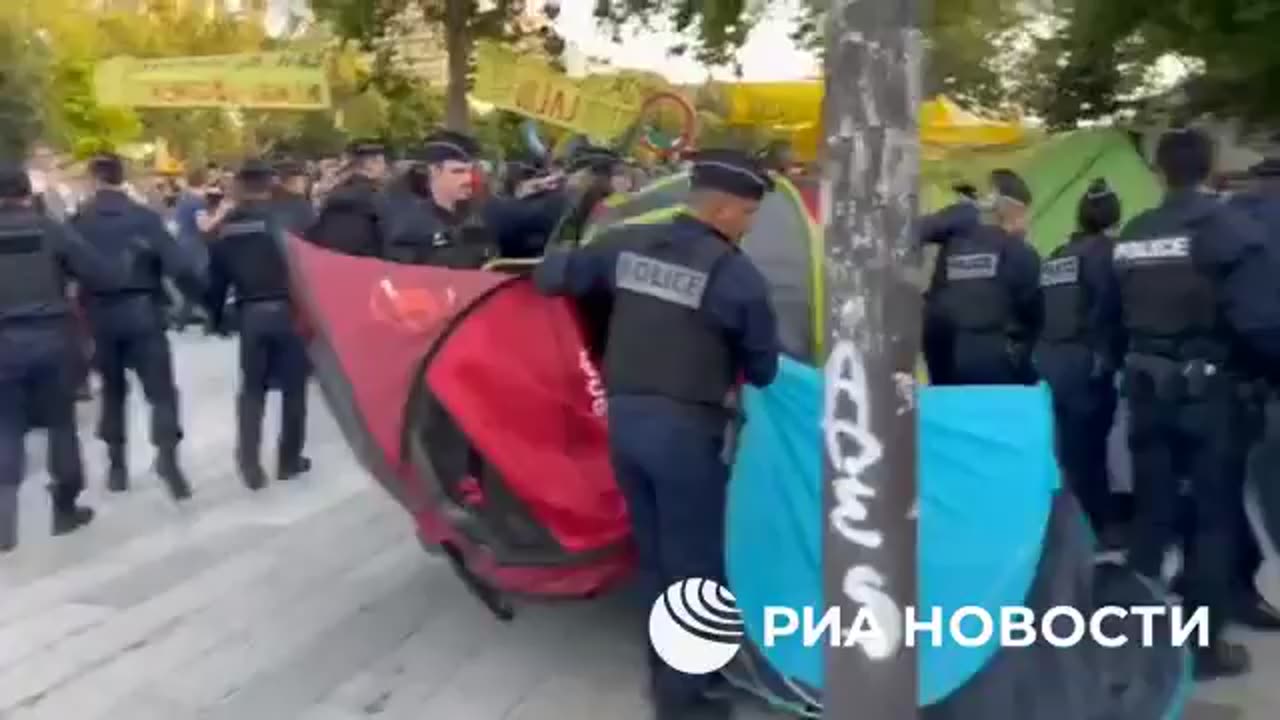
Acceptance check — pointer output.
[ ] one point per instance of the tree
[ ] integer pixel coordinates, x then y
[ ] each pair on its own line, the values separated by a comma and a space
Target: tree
377, 25
1107, 49
21, 83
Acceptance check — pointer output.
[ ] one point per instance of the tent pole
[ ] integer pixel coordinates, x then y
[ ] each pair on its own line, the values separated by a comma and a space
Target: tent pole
869, 203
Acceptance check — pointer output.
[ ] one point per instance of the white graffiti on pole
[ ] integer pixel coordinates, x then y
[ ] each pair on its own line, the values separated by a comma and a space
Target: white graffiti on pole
851, 449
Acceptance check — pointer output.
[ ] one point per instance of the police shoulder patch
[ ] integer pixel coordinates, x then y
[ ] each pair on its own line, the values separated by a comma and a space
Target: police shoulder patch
1153, 250
661, 280
972, 266
1063, 271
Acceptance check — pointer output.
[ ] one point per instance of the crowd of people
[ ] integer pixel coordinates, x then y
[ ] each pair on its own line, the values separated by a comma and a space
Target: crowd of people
1178, 313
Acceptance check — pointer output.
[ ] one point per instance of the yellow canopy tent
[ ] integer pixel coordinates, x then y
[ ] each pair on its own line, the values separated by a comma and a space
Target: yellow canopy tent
794, 110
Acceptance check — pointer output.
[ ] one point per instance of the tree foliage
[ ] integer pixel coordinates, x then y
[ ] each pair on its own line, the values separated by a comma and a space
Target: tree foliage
22, 70
1105, 49
378, 25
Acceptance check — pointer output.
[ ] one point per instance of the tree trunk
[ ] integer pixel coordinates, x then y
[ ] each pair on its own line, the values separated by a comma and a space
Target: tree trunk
869, 200
457, 40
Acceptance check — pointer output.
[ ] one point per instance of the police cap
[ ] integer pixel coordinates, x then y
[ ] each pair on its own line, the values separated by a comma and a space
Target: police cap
594, 158
732, 172
366, 147
446, 145
108, 168
1185, 157
254, 171
1009, 185
15, 183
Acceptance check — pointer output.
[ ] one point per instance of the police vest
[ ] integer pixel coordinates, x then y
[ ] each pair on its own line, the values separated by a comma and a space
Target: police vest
660, 342
466, 246
247, 245
967, 288
29, 272
1066, 299
1164, 294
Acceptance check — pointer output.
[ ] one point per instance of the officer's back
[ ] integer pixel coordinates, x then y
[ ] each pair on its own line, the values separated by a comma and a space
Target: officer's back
986, 293
137, 241
351, 220
293, 207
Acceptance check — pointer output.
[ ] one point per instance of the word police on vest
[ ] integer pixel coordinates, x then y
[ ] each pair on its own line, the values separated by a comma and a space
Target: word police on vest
695, 626
974, 266
1063, 271
662, 280
1134, 251
246, 227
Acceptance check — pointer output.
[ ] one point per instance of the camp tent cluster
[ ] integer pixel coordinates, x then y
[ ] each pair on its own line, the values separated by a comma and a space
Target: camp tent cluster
501, 456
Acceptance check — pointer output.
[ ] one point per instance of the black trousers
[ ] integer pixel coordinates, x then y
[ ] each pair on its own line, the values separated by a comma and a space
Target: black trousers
272, 355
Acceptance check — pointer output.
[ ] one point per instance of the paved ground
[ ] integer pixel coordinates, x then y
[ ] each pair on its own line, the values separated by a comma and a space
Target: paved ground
311, 601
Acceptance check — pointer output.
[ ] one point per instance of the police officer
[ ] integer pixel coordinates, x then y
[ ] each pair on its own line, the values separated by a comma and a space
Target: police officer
687, 283
37, 351
351, 220
938, 228
1256, 450
985, 295
292, 205
450, 229
593, 175
247, 254
128, 319
1193, 286
1081, 346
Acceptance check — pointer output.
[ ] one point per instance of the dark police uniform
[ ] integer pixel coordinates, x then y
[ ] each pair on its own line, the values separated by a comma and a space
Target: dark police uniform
939, 228
690, 316
1188, 292
37, 353
128, 321
1256, 452
1078, 354
295, 212
352, 218
420, 232
247, 255
985, 295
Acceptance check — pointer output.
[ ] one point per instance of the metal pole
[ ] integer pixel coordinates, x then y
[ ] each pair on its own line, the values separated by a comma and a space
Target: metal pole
873, 308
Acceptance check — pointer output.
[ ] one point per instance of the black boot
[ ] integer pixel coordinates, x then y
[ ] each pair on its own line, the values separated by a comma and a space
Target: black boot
8, 518
1221, 660
170, 471
1253, 611
118, 473
68, 519
251, 472
289, 469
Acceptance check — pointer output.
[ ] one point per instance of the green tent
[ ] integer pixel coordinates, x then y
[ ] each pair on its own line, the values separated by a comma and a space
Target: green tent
1059, 170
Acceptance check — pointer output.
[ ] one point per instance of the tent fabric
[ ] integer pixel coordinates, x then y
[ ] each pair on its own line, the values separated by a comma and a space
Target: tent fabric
784, 243
1058, 170
984, 453
524, 504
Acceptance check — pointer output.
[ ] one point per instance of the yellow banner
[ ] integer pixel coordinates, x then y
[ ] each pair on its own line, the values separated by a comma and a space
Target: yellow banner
601, 107
262, 81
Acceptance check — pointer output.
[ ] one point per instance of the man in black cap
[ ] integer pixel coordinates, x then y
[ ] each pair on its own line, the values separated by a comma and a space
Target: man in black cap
983, 308
1081, 347
247, 254
1196, 296
292, 204
38, 351
128, 320
595, 173
451, 229
352, 218
690, 317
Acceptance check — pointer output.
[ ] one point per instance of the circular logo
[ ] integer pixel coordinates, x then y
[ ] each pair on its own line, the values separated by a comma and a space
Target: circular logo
413, 310
695, 626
